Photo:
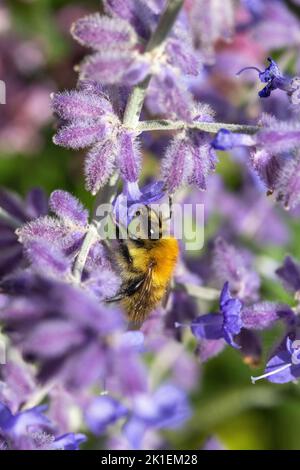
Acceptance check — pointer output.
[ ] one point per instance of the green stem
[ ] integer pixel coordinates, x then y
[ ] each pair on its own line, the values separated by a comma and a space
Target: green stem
213, 127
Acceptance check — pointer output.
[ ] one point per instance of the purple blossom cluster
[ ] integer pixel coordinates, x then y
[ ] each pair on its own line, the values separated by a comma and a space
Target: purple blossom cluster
169, 66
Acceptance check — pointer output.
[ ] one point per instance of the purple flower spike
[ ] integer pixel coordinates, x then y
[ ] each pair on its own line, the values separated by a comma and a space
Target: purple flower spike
226, 140
117, 59
287, 186
168, 95
294, 91
47, 228
273, 77
78, 135
263, 315
99, 32
68, 208
175, 170
100, 164
129, 157
189, 158
59, 335
271, 155
75, 105
182, 55
277, 136
35, 205
114, 67
102, 412
233, 265
68, 329
137, 12
47, 258
89, 120
55, 233
85, 113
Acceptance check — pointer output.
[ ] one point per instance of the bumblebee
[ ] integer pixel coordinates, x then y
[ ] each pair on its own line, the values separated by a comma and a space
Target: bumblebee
145, 262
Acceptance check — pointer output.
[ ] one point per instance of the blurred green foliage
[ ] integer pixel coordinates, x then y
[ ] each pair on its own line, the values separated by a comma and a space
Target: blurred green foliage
226, 404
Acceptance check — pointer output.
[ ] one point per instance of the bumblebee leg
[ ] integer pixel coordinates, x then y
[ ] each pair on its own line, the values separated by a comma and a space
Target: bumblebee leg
116, 298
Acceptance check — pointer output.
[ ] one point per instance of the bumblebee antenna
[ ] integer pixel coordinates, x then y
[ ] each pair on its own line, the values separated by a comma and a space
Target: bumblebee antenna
120, 228
170, 207
166, 219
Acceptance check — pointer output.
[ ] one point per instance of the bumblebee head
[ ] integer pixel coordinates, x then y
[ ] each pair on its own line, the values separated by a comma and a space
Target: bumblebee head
146, 224
149, 223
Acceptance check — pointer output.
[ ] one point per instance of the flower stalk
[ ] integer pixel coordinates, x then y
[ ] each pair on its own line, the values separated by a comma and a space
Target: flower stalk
212, 127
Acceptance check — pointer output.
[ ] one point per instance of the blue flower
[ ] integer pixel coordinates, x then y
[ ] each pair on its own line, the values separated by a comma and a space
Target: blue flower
226, 324
284, 364
103, 411
231, 310
227, 140
134, 196
167, 408
32, 430
68, 441
235, 323
273, 78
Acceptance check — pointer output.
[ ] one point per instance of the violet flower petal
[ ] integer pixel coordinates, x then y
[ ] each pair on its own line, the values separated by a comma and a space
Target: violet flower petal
208, 326
68, 208
103, 411
102, 32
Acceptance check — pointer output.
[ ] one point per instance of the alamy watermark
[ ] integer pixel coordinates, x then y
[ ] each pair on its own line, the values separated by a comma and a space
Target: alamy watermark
3, 352
2, 92
185, 222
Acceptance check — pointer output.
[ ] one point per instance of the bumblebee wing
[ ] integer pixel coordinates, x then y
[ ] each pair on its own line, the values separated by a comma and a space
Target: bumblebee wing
166, 297
116, 298
144, 290
141, 286
127, 290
